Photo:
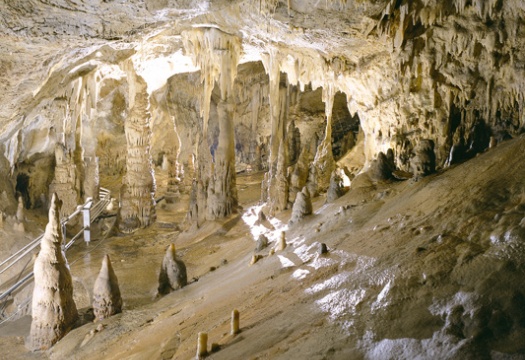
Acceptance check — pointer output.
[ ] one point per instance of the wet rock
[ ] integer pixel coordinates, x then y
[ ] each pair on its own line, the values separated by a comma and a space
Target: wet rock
54, 312
172, 273
301, 207
106, 293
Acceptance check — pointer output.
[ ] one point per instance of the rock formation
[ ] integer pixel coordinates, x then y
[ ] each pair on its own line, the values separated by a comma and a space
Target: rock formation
301, 207
424, 161
65, 182
54, 312
381, 169
106, 292
137, 208
172, 273
262, 243
336, 189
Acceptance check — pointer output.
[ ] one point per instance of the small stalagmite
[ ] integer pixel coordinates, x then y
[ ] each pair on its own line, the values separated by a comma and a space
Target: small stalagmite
381, 169
106, 293
281, 244
301, 207
20, 216
336, 189
53, 310
172, 273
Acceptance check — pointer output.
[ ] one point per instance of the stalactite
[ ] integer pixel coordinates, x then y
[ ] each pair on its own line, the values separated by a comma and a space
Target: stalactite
137, 208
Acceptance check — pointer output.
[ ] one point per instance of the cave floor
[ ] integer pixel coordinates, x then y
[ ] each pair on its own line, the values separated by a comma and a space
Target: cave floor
402, 255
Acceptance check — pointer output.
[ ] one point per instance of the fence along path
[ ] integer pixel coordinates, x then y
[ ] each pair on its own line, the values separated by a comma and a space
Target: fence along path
90, 211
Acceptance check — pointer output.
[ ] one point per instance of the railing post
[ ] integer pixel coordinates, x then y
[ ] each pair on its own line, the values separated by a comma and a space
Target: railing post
86, 217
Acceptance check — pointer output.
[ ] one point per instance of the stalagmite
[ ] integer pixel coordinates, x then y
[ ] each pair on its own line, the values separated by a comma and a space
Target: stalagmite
299, 175
424, 161
106, 293
262, 243
54, 312
301, 207
202, 345
172, 273
138, 185
235, 322
20, 216
336, 189
281, 243
381, 169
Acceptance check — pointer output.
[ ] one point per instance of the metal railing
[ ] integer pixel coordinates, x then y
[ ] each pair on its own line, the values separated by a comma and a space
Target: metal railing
90, 212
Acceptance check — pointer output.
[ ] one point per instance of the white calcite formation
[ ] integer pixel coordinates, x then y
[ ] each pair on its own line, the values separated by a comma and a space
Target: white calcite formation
106, 292
138, 185
172, 274
54, 312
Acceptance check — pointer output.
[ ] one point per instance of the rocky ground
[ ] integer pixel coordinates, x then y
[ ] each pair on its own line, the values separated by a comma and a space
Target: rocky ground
416, 269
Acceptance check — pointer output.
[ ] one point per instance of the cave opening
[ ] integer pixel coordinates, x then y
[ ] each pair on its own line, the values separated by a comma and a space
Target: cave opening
22, 189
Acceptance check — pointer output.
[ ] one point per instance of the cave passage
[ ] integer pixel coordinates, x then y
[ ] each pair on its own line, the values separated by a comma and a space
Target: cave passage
22, 189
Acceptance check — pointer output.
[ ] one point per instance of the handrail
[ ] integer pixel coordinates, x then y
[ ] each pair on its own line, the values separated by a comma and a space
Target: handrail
95, 209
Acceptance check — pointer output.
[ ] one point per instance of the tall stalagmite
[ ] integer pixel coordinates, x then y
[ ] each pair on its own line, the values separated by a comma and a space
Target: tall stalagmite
136, 195
53, 311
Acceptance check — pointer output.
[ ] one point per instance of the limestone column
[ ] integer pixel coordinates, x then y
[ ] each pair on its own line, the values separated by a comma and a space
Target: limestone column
222, 196
217, 54
137, 204
324, 162
65, 180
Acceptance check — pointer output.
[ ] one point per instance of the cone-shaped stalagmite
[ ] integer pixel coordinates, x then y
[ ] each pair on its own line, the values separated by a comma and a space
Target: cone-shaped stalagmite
301, 207
53, 311
106, 293
172, 273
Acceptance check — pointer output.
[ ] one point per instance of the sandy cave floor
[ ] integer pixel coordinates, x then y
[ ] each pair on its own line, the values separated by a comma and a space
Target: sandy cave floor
401, 256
